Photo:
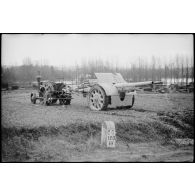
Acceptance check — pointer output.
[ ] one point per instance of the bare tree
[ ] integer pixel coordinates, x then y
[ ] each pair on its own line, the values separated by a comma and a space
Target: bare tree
192, 69
146, 72
165, 73
177, 69
171, 65
182, 70
187, 73
153, 68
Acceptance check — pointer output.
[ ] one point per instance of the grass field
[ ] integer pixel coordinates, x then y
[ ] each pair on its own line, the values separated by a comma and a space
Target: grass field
158, 128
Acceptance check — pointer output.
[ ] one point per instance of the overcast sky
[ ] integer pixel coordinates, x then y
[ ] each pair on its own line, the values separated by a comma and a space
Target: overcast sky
69, 49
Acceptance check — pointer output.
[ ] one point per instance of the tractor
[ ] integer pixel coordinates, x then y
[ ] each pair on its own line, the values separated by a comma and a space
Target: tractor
50, 92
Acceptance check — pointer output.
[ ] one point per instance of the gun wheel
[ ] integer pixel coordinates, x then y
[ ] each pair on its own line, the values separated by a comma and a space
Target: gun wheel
97, 98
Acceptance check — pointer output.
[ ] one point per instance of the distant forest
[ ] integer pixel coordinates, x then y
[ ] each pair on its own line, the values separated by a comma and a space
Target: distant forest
178, 68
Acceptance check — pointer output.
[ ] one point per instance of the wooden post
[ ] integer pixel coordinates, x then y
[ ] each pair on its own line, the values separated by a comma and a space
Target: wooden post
108, 135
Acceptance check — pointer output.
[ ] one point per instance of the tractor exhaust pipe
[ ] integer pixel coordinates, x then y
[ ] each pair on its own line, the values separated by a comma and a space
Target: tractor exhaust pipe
38, 77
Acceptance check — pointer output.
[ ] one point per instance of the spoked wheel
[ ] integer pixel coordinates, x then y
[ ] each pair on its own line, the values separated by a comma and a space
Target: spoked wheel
33, 98
97, 98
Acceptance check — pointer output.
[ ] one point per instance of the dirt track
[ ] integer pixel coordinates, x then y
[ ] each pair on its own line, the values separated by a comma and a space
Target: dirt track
18, 112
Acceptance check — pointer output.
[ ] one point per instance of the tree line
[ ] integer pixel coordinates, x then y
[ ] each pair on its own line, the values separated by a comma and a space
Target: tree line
177, 69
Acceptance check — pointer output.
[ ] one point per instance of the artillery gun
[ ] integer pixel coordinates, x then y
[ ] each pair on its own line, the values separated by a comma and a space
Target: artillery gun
50, 92
110, 89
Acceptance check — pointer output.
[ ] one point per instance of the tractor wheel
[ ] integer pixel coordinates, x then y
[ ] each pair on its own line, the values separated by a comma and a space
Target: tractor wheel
67, 102
97, 98
64, 102
33, 98
47, 99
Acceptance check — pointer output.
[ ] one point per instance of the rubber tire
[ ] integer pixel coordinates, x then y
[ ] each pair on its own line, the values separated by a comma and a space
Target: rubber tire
105, 97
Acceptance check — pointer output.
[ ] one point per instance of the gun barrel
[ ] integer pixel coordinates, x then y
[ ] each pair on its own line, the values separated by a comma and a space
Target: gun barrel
135, 84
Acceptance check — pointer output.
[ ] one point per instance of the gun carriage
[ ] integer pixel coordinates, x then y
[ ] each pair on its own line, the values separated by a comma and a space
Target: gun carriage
110, 89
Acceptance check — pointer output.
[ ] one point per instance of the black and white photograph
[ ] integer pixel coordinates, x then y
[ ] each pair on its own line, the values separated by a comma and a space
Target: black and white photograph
97, 97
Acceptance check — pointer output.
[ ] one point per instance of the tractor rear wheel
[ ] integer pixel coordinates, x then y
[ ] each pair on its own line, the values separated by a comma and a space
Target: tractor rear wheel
97, 98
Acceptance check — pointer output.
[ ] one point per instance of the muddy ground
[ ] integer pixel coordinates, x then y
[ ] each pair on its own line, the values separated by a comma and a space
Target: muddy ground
158, 128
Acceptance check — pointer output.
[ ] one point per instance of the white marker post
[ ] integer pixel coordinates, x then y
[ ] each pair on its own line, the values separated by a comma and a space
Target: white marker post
108, 136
